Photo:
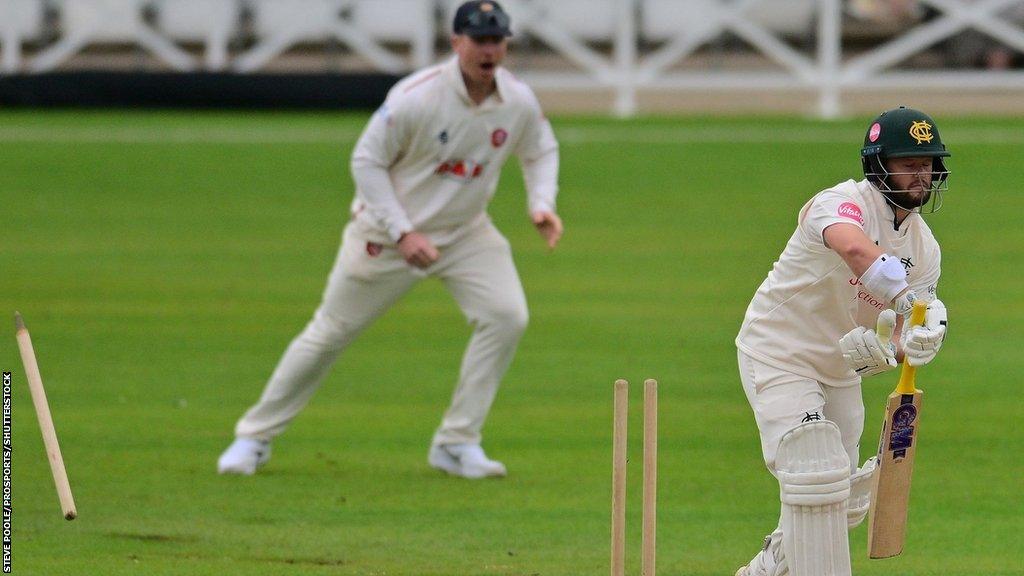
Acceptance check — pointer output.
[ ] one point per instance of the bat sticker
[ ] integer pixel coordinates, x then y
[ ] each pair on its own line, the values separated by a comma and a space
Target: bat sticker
902, 435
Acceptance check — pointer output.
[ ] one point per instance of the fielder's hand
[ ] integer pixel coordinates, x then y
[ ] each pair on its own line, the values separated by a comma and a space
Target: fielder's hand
417, 250
549, 225
921, 343
869, 352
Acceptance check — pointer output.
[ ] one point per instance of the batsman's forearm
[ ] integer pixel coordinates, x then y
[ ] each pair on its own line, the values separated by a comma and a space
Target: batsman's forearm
853, 246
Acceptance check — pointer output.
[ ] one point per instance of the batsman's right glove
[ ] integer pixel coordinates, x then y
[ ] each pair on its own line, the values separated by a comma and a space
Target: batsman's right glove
868, 352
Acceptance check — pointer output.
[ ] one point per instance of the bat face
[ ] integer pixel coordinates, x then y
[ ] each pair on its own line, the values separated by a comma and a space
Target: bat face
891, 495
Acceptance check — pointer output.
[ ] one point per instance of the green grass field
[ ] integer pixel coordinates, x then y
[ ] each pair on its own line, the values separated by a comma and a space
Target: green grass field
163, 261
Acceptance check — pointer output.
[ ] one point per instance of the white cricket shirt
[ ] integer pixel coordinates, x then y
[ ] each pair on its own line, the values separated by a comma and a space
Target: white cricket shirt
430, 158
810, 299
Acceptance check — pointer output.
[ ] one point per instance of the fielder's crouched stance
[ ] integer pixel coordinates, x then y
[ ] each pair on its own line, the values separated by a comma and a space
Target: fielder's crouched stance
425, 169
822, 319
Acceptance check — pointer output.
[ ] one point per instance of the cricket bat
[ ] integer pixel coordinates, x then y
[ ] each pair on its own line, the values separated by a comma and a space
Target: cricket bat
887, 523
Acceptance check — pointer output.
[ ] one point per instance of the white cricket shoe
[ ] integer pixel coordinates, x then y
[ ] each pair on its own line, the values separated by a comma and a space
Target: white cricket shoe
244, 456
466, 460
769, 561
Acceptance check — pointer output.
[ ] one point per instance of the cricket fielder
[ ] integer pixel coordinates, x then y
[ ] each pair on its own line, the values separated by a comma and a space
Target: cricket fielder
860, 256
425, 169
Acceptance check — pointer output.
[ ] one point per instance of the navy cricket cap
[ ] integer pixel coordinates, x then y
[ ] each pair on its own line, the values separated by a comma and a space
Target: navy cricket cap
481, 18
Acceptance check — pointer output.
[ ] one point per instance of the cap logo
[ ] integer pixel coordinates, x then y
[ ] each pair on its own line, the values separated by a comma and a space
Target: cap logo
875, 132
921, 131
486, 7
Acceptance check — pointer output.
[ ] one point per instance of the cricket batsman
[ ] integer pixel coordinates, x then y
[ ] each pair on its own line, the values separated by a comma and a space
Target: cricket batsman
848, 277
425, 169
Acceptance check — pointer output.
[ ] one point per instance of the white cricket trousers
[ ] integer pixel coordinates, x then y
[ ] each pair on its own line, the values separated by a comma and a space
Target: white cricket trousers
477, 270
782, 400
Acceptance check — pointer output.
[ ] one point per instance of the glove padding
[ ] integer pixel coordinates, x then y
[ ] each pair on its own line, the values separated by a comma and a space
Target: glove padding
921, 343
868, 352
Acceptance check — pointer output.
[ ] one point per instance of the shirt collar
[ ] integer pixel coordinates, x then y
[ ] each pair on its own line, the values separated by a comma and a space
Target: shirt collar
453, 74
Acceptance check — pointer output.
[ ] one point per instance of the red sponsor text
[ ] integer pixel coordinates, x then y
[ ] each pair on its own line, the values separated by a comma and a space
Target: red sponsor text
460, 169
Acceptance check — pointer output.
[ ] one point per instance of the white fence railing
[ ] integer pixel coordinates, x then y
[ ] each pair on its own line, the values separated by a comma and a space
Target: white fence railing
622, 45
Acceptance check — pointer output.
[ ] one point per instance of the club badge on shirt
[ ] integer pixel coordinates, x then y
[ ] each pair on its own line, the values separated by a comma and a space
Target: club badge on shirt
498, 137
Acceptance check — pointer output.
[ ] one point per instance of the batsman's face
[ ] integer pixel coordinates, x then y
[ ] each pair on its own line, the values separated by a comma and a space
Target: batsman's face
911, 177
479, 57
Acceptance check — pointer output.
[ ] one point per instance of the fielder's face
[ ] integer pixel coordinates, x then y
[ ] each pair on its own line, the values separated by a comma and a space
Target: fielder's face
480, 56
911, 178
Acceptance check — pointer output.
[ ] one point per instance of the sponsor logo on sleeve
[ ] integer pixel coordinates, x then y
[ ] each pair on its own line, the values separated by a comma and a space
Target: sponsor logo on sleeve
374, 249
851, 211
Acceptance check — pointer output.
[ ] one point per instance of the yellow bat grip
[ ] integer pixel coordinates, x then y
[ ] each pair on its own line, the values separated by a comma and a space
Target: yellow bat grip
906, 385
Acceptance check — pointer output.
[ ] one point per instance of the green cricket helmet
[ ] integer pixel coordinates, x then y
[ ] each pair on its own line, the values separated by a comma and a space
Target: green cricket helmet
905, 133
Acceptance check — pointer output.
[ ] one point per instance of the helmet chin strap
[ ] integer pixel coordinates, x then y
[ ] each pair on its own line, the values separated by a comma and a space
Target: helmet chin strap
892, 196
896, 206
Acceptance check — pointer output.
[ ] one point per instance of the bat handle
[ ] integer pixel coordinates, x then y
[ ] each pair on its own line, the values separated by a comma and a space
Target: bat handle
906, 385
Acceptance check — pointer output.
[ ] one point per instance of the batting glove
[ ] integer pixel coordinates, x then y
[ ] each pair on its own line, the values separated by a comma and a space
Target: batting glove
869, 352
921, 343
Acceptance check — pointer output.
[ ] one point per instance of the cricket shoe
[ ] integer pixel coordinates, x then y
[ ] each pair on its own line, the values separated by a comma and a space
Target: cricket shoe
244, 456
769, 561
466, 460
